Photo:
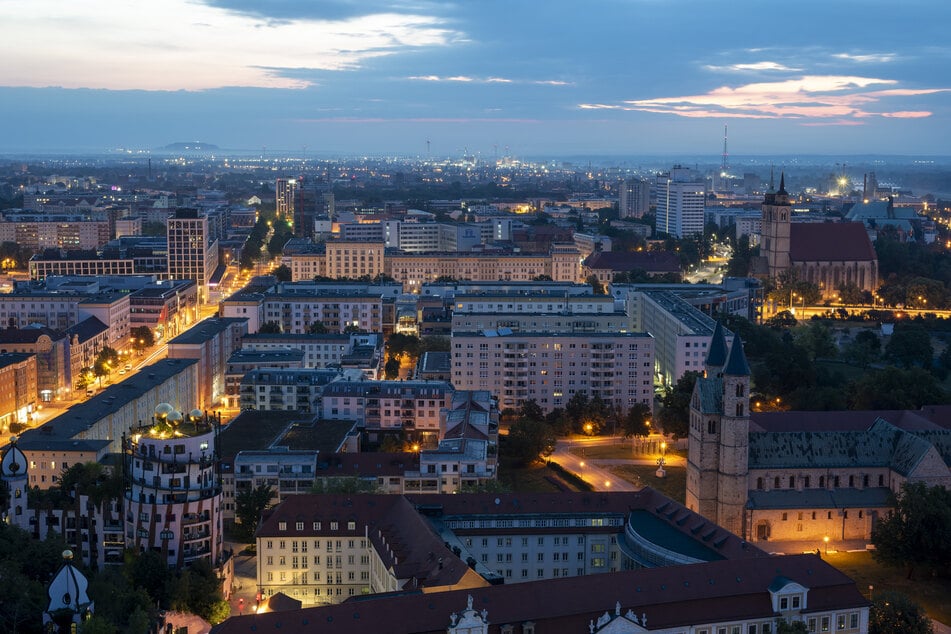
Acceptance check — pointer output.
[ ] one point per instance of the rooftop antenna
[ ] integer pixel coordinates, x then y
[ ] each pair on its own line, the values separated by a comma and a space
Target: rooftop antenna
726, 155
427, 148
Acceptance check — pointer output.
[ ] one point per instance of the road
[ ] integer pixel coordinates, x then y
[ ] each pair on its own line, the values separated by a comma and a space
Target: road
593, 471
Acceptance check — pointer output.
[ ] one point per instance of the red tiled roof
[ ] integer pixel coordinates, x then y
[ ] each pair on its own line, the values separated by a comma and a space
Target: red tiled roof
672, 597
830, 242
625, 261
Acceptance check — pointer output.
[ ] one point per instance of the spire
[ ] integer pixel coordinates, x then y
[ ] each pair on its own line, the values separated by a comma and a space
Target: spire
736, 365
782, 185
716, 354
772, 181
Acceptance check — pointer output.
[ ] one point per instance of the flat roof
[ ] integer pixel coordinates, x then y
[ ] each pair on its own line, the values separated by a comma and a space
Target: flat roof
254, 430
323, 436
80, 417
205, 330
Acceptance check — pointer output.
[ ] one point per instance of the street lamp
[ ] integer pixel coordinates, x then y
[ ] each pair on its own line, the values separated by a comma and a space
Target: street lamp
588, 428
826, 540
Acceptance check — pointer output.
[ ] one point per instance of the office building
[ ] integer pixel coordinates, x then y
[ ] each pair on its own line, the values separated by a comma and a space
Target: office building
634, 198
192, 249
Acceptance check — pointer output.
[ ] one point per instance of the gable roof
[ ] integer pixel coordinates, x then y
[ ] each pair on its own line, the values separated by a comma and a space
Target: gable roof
671, 597
830, 242
625, 261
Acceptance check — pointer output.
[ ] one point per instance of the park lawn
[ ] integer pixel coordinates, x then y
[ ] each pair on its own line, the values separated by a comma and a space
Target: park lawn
534, 478
933, 593
673, 486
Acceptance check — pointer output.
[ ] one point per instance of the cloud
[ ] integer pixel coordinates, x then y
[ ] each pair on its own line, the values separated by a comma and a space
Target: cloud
364, 120
485, 80
755, 66
831, 99
867, 58
185, 45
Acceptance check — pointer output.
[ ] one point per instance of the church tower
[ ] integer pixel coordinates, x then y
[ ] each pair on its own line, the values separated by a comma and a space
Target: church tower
718, 442
734, 442
703, 441
13, 471
775, 229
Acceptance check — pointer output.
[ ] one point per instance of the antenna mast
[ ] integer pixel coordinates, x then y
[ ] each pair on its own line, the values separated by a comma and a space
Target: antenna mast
726, 155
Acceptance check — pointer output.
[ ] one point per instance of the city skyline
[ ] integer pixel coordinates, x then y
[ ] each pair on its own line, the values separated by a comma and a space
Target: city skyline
421, 77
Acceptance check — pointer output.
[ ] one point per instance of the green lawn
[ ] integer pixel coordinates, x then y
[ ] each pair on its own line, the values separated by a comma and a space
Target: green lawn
536, 478
934, 593
673, 486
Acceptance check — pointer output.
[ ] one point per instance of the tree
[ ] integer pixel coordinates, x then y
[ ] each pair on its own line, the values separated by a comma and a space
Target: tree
894, 613
142, 338
791, 627
349, 485
895, 388
910, 346
674, 414
97, 625
317, 328
528, 440
85, 378
531, 409
636, 422
596, 286
391, 369
270, 328
917, 532
863, 349
282, 273
816, 338
248, 507
106, 361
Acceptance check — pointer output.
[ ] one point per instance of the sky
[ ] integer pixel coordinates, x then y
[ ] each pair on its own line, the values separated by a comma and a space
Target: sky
488, 77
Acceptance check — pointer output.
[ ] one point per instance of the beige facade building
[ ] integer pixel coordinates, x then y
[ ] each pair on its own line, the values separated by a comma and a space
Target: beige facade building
353, 259
550, 367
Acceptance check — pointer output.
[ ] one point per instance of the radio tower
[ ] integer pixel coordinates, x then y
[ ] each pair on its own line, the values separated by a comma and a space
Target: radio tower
726, 155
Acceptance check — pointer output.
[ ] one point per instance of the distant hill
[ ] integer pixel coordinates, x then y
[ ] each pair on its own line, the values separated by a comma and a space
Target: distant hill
191, 146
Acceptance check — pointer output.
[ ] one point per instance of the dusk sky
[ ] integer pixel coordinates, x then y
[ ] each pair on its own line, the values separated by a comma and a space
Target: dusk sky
540, 78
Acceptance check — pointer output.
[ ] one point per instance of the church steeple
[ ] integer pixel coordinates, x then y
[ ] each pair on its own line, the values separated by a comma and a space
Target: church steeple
717, 353
736, 365
782, 185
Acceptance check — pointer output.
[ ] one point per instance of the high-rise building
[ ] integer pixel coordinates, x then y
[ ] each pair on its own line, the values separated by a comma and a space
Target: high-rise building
312, 199
680, 201
285, 191
192, 249
634, 198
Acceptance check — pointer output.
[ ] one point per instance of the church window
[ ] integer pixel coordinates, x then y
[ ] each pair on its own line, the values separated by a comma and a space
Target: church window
776, 482
739, 409
711, 426
822, 482
806, 482
739, 389
792, 482
759, 484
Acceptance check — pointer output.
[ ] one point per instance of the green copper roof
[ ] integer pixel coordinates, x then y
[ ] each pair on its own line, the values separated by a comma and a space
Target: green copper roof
716, 356
736, 365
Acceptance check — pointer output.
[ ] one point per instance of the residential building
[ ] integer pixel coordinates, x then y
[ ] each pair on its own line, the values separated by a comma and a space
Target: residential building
88, 428
388, 405
37, 232
727, 597
211, 342
18, 389
604, 265
173, 502
284, 389
550, 367
354, 259
53, 352
167, 307
681, 194
285, 193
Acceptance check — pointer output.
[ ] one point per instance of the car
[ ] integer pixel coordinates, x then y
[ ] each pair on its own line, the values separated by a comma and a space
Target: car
90, 392
128, 366
122, 371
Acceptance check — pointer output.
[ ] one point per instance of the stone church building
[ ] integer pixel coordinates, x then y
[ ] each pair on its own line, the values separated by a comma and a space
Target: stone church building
827, 254
802, 476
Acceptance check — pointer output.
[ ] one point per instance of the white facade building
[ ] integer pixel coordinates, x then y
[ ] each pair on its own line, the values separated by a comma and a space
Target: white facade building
680, 202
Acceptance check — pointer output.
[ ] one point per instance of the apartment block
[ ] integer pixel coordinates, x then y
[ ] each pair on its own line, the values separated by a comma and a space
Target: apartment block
550, 367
